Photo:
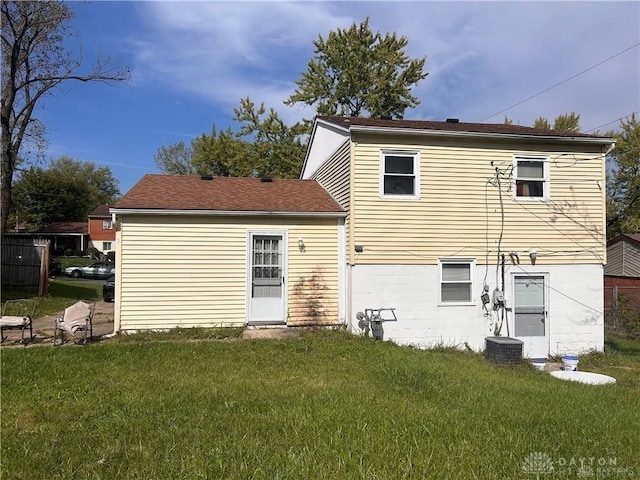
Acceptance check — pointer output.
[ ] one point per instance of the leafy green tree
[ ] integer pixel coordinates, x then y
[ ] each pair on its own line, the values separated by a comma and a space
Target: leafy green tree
567, 122
355, 70
66, 191
542, 122
623, 183
263, 145
222, 154
275, 148
175, 159
35, 62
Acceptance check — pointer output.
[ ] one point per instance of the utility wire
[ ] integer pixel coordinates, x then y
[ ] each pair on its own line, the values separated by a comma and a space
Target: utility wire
561, 82
612, 121
531, 275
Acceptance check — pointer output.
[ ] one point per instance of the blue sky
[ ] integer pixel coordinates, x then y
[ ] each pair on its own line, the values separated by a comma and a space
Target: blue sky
191, 63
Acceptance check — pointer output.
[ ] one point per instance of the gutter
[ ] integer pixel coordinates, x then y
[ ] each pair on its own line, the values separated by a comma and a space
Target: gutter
243, 213
476, 135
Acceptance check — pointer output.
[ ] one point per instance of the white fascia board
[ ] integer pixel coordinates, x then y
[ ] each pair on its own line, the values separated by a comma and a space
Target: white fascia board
497, 136
335, 126
242, 213
320, 125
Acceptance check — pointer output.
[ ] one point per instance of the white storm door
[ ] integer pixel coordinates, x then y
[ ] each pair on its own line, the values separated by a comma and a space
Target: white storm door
266, 278
530, 314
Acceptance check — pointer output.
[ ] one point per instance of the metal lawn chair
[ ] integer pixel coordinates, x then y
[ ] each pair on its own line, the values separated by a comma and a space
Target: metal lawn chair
77, 319
18, 314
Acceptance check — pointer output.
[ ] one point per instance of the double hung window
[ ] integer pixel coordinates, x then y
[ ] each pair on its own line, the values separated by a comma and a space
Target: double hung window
399, 174
531, 177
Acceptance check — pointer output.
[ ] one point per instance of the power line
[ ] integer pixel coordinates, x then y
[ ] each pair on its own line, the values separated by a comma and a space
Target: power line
612, 121
561, 82
530, 275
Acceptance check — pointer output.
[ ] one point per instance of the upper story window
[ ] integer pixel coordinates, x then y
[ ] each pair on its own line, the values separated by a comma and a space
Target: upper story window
532, 178
456, 281
106, 224
399, 176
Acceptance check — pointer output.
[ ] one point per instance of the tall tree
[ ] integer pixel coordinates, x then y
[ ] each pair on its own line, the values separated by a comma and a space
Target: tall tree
263, 145
35, 62
356, 70
68, 190
223, 154
175, 159
623, 183
567, 122
276, 149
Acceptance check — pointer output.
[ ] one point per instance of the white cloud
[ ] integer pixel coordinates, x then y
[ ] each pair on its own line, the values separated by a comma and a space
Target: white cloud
482, 57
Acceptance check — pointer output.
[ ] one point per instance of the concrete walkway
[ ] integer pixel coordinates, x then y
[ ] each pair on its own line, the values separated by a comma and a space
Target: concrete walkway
43, 328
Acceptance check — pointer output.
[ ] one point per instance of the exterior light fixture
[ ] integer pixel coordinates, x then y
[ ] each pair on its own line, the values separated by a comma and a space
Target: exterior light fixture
533, 255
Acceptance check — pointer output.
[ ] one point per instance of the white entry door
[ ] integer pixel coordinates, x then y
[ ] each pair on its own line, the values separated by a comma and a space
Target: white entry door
530, 314
266, 272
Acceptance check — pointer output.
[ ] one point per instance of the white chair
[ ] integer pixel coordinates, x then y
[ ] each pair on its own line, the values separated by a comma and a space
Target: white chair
18, 314
76, 319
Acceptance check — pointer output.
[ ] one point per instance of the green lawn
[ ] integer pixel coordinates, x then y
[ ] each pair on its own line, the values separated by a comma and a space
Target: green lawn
62, 292
326, 405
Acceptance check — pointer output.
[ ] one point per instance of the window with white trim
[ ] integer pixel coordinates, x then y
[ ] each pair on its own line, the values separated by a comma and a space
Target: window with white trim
456, 281
399, 174
531, 177
106, 246
106, 224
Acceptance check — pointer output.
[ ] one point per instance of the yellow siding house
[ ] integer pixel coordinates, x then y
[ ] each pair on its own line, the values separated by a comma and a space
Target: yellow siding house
468, 230
203, 251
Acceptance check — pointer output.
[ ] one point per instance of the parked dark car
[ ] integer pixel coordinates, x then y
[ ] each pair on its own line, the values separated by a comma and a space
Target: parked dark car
95, 270
108, 289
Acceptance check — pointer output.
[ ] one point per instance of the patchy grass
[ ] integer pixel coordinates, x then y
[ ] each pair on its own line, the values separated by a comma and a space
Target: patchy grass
61, 293
326, 405
181, 334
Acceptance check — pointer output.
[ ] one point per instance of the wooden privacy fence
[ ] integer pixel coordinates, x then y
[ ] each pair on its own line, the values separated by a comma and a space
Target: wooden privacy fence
25, 263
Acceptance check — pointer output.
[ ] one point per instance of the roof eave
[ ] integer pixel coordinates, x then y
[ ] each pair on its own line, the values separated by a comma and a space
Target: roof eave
244, 213
449, 133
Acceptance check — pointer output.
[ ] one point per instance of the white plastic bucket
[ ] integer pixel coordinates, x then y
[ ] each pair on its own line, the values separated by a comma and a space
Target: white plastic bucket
570, 363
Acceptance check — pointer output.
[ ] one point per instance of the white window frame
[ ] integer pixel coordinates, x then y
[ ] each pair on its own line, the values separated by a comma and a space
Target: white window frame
415, 175
107, 224
460, 261
544, 159
104, 246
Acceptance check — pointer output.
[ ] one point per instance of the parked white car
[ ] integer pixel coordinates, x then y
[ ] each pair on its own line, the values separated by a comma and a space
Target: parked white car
94, 270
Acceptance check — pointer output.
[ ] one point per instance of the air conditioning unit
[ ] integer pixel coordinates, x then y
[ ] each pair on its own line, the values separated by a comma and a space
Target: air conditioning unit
503, 350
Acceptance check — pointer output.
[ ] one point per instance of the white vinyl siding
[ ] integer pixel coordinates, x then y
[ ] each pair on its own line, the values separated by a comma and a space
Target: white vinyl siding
335, 177
190, 270
459, 211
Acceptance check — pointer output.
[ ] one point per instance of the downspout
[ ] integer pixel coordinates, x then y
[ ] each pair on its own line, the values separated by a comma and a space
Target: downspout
117, 290
342, 266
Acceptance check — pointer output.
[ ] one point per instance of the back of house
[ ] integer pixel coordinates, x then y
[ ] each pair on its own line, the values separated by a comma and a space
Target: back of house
469, 230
